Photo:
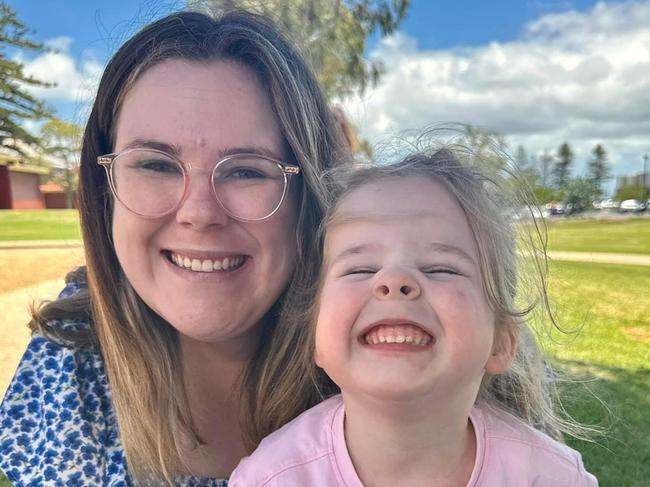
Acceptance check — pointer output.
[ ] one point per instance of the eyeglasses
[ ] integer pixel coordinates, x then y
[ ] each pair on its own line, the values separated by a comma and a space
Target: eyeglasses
152, 183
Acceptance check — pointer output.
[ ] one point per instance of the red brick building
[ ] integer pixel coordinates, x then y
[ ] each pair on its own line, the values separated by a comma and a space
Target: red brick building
19, 185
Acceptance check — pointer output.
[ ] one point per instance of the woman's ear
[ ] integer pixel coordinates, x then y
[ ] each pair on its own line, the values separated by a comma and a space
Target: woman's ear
504, 348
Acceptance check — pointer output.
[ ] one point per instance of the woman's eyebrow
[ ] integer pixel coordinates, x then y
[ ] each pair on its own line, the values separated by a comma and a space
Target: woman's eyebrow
262, 151
153, 144
176, 150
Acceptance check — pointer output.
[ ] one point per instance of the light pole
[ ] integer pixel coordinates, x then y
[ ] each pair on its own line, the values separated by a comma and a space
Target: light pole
645, 177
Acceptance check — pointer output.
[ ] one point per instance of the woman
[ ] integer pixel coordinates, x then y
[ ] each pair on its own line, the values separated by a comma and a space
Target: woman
199, 195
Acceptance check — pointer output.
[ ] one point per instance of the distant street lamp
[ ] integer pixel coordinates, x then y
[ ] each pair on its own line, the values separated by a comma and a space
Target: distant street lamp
645, 177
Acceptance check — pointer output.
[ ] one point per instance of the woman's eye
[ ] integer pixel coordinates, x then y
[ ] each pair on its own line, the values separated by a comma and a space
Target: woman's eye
160, 166
246, 173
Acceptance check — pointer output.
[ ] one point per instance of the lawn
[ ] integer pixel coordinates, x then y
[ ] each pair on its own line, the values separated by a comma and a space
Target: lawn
611, 357
630, 235
39, 225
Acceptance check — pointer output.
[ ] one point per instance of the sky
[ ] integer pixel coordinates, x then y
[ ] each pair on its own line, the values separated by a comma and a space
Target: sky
540, 72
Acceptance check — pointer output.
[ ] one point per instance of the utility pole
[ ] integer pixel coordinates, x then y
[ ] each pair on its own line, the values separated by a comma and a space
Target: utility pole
645, 178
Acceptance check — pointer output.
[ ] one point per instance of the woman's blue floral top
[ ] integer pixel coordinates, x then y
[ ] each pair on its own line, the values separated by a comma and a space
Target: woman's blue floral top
57, 423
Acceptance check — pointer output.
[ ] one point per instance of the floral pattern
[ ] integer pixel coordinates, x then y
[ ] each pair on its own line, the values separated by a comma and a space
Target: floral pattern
57, 422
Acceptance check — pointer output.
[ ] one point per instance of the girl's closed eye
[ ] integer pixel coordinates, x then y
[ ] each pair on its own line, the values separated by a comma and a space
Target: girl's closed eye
358, 271
442, 270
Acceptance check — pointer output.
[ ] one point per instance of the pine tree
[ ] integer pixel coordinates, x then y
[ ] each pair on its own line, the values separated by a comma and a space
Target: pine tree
16, 103
562, 168
598, 169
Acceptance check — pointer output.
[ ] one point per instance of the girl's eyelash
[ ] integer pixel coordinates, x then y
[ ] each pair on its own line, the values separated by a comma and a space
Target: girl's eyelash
441, 270
360, 271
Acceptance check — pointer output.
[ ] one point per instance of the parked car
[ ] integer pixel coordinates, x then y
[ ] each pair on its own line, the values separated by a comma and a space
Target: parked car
609, 204
632, 205
555, 209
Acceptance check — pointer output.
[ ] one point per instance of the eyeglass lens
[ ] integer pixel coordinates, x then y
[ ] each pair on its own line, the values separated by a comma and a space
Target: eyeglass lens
151, 184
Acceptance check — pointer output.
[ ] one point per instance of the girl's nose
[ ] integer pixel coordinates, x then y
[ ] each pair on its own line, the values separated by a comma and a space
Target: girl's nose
396, 284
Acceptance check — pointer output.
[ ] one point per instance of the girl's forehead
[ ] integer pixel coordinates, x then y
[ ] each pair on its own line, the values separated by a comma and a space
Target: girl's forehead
399, 196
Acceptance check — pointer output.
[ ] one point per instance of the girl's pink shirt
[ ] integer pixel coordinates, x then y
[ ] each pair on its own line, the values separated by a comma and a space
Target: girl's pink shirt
310, 451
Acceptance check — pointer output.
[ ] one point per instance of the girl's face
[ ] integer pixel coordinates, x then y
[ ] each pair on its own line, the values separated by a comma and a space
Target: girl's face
201, 112
402, 309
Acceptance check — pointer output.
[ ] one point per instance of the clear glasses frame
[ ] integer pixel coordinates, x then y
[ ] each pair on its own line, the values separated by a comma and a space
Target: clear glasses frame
287, 170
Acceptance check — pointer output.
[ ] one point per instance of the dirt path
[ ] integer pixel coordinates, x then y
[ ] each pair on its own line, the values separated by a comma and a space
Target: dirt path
14, 316
601, 257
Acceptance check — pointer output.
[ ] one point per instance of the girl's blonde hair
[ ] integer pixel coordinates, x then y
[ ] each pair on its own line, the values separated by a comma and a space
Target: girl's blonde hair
140, 350
513, 276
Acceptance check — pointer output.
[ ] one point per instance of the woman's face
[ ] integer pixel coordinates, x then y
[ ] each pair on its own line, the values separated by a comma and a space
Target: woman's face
201, 112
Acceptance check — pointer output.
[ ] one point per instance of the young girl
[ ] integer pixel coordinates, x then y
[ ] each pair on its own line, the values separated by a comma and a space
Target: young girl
442, 383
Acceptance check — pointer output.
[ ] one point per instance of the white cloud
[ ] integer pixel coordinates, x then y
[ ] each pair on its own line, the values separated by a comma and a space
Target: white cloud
581, 77
74, 79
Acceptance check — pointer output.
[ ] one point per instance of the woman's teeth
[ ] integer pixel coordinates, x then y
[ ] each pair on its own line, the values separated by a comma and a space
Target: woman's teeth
408, 334
207, 265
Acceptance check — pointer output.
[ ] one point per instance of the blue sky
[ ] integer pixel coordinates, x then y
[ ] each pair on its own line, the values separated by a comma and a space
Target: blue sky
539, 71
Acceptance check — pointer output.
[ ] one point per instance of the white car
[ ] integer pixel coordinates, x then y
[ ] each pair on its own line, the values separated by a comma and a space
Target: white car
632, 205
609, 204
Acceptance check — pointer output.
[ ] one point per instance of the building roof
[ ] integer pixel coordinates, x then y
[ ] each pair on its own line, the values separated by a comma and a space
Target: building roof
14, 165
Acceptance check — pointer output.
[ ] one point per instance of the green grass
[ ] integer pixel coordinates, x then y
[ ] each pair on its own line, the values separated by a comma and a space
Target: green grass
3, 481
610, 354
39, 225
630, 235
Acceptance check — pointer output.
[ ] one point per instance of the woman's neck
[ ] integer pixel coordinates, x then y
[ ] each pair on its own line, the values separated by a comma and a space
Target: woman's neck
212, 378
410, 443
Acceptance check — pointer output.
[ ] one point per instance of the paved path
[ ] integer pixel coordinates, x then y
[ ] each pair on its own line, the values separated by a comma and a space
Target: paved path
14, 317
40, 244
601, 257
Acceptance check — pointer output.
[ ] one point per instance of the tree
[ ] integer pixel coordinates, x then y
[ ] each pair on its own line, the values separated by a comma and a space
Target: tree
487, 145
62, 140
546, 162
630, 193
331, 34
16, 103
562, 168
598, 169
579, 195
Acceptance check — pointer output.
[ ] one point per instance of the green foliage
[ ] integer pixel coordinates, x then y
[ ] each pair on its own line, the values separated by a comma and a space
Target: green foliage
16, 103
488, 146
629, 236
62, 140
598, 169
562, 168
546, 163
545, 194
39, 225
631, 193
580, 194
331, 34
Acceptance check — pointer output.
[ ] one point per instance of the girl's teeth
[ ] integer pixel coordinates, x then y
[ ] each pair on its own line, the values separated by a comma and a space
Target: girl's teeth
207, 265
408, 334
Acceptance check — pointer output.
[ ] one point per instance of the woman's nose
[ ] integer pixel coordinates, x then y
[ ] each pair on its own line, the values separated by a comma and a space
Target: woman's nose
396, 284
200, 209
